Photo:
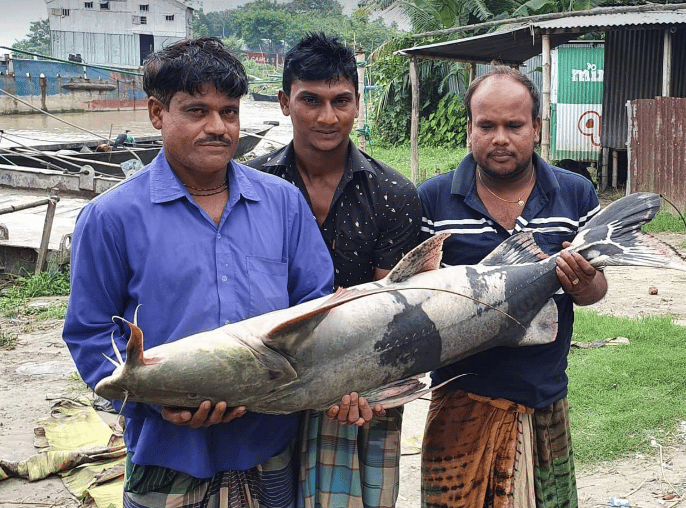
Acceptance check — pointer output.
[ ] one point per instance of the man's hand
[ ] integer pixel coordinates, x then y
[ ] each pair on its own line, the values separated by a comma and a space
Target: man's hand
354, 410
204, 416
579, 279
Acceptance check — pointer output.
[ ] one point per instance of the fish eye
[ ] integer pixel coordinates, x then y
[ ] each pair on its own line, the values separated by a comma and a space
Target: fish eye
192, 396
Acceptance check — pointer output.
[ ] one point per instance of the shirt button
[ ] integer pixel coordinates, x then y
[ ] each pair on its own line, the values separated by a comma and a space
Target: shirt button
224, 278
226, 321
219, 236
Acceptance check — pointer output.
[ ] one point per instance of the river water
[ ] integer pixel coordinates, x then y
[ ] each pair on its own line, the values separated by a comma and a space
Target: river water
35, 129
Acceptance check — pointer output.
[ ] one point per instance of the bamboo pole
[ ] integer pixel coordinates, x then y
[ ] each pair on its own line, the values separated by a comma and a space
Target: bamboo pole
361, 117
414, 122
545, 114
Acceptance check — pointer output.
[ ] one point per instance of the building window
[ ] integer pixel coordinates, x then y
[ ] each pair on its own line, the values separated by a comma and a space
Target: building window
169, 17
144, 8
104, 6
60, 12
88, 5
144, 20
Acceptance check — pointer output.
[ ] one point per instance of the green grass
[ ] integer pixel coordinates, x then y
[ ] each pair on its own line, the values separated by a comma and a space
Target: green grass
623, 396
18, 291
431, 159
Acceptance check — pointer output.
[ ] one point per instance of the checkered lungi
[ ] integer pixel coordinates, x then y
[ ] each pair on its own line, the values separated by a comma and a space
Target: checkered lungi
345, 466
269, 485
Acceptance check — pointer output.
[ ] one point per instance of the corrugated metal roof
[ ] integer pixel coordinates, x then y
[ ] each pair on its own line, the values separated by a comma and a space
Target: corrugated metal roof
597, 21
516, 44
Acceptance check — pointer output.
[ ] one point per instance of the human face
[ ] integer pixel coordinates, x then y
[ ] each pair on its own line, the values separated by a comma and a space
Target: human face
501, 131
200, 132
322, 113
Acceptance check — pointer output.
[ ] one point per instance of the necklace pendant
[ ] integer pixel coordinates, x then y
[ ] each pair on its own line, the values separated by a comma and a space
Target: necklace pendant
520, 202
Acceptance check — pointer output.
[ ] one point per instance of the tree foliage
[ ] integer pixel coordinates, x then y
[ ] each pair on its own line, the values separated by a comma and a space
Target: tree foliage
271, 26
37, 40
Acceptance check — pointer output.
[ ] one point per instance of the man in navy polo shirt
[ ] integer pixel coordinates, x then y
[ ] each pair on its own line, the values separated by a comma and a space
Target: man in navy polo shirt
500, 434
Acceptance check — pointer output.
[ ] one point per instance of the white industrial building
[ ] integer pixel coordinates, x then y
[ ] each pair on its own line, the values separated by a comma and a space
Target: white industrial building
116, 32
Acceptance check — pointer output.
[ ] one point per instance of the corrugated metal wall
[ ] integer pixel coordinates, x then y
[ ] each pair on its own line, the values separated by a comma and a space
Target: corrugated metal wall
679, 63
633, 70
576, 101
657, 148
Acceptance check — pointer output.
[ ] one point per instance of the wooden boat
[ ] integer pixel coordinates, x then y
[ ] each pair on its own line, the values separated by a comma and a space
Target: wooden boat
260, 97
71, 157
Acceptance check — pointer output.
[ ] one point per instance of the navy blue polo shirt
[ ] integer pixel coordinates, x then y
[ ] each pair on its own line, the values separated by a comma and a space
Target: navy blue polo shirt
560, 203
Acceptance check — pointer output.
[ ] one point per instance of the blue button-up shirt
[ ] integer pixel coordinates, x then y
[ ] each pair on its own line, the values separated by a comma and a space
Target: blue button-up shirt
146, 242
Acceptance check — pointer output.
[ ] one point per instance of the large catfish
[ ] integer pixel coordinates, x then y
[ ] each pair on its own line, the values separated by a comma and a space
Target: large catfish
377, 338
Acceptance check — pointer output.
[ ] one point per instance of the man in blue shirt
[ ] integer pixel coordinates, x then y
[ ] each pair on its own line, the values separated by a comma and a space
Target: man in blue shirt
197, 241
499, 434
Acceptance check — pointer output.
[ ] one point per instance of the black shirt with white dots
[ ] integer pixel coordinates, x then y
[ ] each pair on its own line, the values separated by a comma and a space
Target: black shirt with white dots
374, 218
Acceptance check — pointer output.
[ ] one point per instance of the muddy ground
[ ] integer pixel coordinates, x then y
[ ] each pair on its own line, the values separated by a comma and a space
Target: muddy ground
39, 369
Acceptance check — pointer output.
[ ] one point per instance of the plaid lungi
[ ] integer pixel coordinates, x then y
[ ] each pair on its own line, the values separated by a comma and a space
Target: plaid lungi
493, 453
269, 485
345, 466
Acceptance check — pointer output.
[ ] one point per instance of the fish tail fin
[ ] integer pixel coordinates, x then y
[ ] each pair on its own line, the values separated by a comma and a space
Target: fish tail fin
613, 237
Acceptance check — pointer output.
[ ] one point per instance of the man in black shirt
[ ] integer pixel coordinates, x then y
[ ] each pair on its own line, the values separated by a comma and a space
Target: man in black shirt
369, 215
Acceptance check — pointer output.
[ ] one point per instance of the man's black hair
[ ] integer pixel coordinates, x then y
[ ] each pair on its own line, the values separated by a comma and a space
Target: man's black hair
187, 65
318, 57
515, 75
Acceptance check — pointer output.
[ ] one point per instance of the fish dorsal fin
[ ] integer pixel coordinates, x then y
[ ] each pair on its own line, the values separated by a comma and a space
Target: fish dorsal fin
516, 250
341, 296
134, 346
423, 258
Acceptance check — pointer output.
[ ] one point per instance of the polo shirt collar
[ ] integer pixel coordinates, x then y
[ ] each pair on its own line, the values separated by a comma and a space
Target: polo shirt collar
165, 186
464, 178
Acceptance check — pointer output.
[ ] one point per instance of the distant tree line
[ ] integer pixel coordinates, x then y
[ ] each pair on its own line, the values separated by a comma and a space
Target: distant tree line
270, 26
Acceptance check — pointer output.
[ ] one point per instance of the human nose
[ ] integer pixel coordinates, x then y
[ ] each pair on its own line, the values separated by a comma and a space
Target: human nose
327, 114
500, 136
214, 124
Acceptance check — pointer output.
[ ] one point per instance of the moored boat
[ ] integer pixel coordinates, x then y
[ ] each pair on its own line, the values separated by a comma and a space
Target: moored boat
72, 156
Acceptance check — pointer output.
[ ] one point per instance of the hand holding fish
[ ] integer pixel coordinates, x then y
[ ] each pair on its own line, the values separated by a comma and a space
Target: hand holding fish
354, 410
205, 415
579, 279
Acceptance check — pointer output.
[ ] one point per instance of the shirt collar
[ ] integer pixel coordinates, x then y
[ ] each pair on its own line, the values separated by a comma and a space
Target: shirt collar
165, 185
464, 178
356, 160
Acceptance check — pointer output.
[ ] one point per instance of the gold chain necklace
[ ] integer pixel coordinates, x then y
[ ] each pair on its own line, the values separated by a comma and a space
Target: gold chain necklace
208, 192
519, 201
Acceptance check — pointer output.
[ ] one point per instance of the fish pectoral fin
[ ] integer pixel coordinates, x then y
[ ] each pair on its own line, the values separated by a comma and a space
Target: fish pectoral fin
276, 363
400, 392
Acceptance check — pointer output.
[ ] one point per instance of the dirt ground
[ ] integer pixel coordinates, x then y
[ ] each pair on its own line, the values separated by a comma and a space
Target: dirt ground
39, 369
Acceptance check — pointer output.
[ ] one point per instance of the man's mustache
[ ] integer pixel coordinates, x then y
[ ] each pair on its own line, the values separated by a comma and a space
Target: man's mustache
215, 139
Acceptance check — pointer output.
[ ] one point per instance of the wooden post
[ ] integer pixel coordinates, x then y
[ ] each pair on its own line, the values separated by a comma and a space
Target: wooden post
667, 65
604, 170
361, 123
414, 121
472, 77
615, 168
545, 114
47, 229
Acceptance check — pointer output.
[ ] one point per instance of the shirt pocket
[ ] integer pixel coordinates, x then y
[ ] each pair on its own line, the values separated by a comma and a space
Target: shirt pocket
268, 279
